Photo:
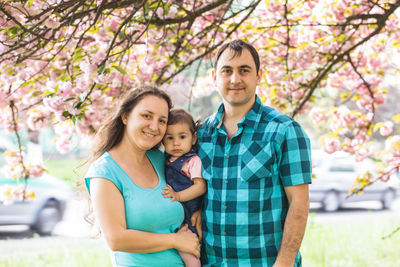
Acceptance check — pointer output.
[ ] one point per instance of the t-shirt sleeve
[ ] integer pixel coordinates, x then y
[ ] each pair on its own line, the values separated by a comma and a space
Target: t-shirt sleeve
192, 167
295, 163
101, 169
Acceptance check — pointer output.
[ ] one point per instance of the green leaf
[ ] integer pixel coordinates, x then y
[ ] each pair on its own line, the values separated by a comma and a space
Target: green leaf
47, 93
120, 69
75, 104
101, 69
341, 37
78, 54
69, 99
29, 3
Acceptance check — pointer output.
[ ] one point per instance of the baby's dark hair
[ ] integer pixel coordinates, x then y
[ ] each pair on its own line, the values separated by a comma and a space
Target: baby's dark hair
178, 115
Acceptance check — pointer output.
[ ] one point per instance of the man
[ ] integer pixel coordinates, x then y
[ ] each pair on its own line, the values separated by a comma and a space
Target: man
256, 161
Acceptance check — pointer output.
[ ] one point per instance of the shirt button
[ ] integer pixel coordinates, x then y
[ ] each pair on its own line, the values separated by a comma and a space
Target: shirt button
226, 259
224, 233
227, 156
226, 181
225, 207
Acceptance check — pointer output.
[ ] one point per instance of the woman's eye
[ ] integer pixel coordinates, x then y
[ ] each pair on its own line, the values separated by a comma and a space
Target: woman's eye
146, 116
163, 121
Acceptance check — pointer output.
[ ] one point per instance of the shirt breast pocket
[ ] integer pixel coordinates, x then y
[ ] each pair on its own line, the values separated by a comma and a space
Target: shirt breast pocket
206, 154
257, 161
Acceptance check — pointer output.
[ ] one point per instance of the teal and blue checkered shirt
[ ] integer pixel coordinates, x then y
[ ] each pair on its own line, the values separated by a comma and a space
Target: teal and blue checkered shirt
245, 207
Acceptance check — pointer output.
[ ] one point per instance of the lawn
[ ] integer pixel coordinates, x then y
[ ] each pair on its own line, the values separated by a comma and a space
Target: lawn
355, 244
54, 252
325, 245
66, 169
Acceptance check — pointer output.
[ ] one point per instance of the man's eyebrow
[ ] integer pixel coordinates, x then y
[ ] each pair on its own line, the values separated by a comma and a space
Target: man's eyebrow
240, 67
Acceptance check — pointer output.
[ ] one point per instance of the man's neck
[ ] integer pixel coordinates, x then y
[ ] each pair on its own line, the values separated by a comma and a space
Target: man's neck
233, 115
236, 113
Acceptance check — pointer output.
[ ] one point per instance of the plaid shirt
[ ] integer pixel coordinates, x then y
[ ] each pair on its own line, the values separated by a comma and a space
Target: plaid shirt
245, 207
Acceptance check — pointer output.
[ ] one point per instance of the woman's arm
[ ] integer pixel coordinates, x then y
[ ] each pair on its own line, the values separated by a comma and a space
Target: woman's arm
108, 206
198, 188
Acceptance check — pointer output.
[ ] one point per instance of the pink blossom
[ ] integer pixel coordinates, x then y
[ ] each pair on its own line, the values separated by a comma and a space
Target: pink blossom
318, 115
114, 25
172, 11
35, 171
392, 145
386, 128
35, 122
97, 58
362, 153
102, 79
88, 68
65, 88
331, 145
54, 104
52, 24
63, 145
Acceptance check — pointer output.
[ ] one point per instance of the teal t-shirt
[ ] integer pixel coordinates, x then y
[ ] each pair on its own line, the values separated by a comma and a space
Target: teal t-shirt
145, 209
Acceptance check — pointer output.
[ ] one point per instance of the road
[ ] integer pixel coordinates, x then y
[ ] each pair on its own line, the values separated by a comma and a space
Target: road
73, 230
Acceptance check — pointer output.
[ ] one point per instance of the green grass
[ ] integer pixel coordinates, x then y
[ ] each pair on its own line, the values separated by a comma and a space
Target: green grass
68, 253
66, 169
355, 244
352, 244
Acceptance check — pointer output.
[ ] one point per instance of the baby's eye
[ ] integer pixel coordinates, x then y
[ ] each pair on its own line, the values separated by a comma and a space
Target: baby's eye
162, 121
169, 138
182, 136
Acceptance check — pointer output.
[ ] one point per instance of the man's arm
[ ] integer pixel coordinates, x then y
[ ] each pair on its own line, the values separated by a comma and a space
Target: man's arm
295, 224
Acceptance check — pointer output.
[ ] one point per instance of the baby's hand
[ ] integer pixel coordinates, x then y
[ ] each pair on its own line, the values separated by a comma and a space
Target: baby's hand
169, 192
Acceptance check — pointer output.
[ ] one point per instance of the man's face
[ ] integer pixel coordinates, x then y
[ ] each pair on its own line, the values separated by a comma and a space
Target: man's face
236, 78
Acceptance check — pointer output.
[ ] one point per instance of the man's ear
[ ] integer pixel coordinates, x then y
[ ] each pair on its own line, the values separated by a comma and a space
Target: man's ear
259, 76
214, 75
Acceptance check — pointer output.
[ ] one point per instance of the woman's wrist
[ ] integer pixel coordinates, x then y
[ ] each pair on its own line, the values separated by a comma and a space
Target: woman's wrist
172, 240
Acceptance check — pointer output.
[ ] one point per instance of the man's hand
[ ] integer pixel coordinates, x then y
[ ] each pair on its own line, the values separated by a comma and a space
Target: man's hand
169, 192
196, 222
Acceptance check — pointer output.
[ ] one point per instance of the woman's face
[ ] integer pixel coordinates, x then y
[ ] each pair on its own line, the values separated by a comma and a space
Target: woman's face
146, 123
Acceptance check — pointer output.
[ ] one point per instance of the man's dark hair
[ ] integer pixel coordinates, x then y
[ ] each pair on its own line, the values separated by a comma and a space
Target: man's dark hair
237, 47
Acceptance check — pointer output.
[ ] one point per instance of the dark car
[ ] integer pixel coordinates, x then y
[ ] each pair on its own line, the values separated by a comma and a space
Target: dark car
43, 212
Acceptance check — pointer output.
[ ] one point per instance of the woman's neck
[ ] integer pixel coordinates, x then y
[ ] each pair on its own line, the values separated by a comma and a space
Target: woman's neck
125, 152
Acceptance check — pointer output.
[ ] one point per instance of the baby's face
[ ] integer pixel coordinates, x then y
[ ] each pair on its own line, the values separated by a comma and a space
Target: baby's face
178, 139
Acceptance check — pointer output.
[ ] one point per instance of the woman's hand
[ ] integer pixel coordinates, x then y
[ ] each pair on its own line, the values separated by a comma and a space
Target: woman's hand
169, 192
186, 241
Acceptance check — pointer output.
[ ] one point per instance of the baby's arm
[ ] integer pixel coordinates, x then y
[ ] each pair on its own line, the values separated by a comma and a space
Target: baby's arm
198, 188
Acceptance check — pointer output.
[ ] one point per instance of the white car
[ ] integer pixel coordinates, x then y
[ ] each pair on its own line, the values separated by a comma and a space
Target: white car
42, 213
334, 175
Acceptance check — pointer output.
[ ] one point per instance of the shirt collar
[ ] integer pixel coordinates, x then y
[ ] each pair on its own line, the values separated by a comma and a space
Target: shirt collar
253, 116
251, 119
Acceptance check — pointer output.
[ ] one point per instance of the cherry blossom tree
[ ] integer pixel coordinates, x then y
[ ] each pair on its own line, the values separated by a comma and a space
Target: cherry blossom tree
63, 63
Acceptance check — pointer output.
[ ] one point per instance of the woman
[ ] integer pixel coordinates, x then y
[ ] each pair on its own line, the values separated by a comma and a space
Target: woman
125, 182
